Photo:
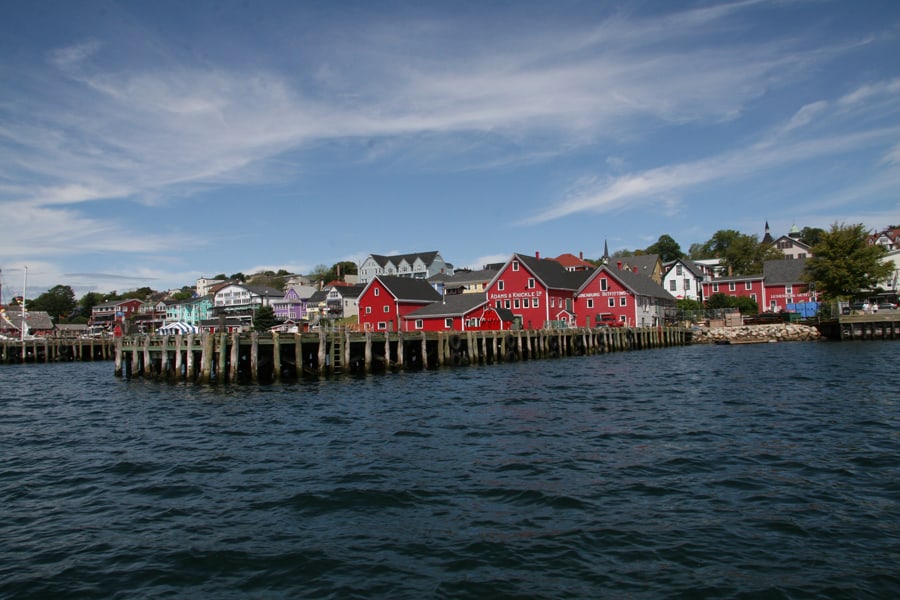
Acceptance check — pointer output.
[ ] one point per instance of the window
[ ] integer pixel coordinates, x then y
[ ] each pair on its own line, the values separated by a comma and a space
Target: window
623, 301
531, 283
387, 308
448, 323
753, 297
515, 265
679, 270
590, 303
516, 303
500, 285
368, 310
789, 289
525, 303
376, 291
506, 304
499, 304
687, 284
382, 325
732, 286
420, 323
604, 284
673, 285
535, 303
612, 302
748, 286
715, 288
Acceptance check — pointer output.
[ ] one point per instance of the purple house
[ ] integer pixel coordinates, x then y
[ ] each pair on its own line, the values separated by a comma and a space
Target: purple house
293, 306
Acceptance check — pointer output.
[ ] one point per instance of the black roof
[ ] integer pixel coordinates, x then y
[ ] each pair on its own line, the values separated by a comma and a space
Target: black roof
409, 289
451, 306
552, 274
639, 284
784, 270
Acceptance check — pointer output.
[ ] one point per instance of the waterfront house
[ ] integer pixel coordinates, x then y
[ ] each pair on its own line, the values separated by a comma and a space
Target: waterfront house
631, 298
418, 265
459, 312
242, 300
540, 292
785, 288
749, 286
683, 279
38, 322
292, 306
386, 300
192, 312
116, 311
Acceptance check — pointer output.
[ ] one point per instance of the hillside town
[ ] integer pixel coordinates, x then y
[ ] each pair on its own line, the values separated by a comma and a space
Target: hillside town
421, 291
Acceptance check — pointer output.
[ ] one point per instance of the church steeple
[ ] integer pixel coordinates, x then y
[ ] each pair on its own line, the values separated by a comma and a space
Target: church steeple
767, 239
605, 258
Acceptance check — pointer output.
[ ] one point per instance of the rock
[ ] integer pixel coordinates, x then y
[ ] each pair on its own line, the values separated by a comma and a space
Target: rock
778, 332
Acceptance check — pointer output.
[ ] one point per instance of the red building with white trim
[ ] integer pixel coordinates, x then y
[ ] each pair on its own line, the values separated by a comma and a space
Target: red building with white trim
536, 291
386, 300
459, 312
632, 298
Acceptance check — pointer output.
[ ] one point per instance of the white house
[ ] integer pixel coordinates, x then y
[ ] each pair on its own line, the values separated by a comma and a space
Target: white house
684, 278
420, 265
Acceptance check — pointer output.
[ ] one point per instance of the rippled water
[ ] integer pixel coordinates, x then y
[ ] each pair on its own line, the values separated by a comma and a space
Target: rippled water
710, 471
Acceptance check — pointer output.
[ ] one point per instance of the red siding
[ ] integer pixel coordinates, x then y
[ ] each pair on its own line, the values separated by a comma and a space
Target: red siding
516, 293
614, 292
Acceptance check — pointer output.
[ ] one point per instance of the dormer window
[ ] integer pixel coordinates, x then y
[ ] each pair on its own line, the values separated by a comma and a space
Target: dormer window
515, 265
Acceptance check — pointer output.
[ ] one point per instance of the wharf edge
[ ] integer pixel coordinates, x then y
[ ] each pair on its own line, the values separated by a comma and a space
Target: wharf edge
272, 357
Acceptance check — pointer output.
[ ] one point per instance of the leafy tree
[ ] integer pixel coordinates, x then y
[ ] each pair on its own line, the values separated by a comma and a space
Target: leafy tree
698, 251
88, 302
182, 295
811, 235
58, 302
623, 253
844, 264
221, 276
265, 318
139, 294
685, 304
238, 277
744, 304
740, 253
667, 248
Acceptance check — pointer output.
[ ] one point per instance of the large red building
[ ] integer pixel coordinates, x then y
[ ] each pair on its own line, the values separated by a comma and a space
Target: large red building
631, 298
386, 300
779, 288
459, 312
537, 291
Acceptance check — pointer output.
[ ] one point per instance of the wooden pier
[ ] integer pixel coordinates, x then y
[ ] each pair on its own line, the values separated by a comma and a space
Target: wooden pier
881, 326
269, 358
56, 349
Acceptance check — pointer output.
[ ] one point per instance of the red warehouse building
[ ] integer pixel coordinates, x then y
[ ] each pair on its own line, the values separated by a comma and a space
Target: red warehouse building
386, 300
631, 298
536, 291
459, 312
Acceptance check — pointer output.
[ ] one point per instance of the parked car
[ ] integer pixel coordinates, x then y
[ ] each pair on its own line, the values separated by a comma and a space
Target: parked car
856, 306
887, 306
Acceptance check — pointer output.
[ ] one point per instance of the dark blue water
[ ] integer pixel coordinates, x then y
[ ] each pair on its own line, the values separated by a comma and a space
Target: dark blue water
715, 471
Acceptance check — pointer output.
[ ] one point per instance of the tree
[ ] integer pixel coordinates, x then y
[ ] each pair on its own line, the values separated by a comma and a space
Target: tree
58, 302
265, 318
843, 264
811, 235
740, 253
667, 248
238, 277
744, 304
88, 302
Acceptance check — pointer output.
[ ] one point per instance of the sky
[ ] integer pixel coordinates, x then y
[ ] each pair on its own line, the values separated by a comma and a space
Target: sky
152, 143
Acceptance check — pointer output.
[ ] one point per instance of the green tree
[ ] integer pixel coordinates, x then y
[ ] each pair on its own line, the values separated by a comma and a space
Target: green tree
265, 318
740, 253
667, 248
744, 304
88, 302
238, 277
58, 302
811, 235
182, 295
844, 264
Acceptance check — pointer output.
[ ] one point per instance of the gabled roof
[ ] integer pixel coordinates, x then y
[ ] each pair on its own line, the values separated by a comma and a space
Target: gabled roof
645, 263
36, 319
426, 257
407, 289
551, 273
695, 269
570, 261
451, 306
641, 285
351, 291
777, 272
795, 241
318, 296
262, 290
464, 277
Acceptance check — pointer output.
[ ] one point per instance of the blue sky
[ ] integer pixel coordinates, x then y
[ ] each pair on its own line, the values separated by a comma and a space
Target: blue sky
149, 143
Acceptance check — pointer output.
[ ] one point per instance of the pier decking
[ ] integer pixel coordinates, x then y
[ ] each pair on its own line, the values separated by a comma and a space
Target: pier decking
267, 358
56, 349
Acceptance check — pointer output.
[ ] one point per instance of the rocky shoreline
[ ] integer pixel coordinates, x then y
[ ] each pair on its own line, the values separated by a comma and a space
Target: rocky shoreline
755, 334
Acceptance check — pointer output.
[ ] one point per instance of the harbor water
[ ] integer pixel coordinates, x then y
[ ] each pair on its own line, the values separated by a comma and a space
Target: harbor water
769, 470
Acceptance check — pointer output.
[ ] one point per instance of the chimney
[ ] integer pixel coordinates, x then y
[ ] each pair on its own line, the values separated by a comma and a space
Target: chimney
635, 269
581, 255
619, 264
537, 254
